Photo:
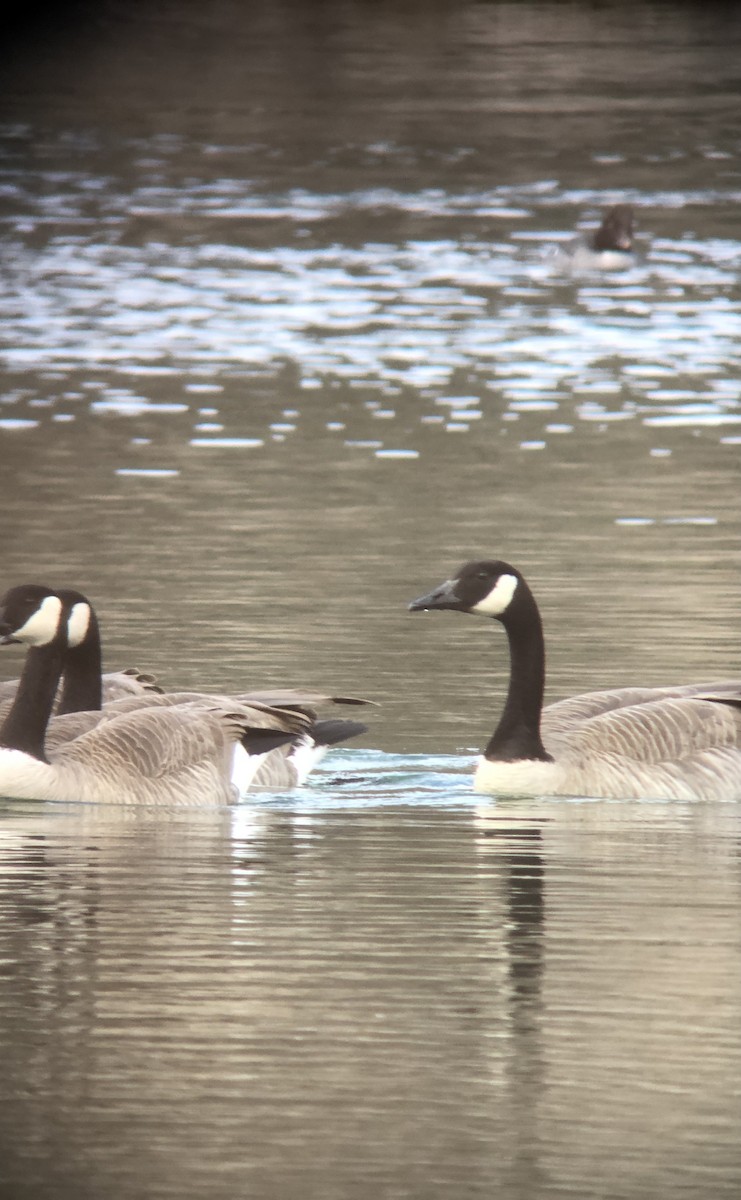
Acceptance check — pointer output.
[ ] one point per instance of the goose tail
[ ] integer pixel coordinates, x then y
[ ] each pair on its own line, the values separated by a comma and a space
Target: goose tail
311, 749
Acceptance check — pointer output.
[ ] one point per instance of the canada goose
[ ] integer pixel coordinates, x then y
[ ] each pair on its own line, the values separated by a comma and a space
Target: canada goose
80, 707
656, 743
174, 755
608, 248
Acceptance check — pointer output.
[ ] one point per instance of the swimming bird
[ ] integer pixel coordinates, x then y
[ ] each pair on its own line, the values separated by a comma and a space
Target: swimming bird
638, 742
80, 707
180, 754
609, 248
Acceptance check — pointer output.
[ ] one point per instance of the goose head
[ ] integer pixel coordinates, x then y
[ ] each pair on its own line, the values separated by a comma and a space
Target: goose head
32, 614
487, 588
616, 230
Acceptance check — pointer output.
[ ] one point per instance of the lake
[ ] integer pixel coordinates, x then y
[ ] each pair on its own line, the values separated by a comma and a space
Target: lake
285, 337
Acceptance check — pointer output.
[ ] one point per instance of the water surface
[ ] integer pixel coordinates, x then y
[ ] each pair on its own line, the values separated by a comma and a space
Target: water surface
413, 998
284, 339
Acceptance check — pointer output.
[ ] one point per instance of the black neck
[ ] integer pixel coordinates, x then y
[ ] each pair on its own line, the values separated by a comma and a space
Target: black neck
82, 689
517, 736
25, 725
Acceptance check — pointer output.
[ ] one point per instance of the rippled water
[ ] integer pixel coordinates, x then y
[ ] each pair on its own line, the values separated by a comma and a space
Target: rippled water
284, 336
352, 995
496, 311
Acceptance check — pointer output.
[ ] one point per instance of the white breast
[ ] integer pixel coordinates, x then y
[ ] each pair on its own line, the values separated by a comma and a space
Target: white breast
23, 776
526, 777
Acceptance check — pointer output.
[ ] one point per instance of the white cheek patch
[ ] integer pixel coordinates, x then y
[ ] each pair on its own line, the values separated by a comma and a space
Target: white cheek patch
498, 598
42, 626
78, 624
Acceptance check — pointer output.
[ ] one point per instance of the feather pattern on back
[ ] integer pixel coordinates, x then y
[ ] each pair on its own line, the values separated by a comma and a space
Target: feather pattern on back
179, 755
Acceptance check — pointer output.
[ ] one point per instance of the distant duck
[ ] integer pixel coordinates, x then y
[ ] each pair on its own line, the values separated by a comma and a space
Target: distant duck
179, 755
609, 248
681, 743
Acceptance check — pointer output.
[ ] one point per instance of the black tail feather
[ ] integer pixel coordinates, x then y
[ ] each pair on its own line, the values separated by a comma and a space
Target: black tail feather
259, 741
331, 732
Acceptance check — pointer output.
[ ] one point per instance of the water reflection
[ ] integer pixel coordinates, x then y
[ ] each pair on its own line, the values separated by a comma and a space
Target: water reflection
220, 984
517, 849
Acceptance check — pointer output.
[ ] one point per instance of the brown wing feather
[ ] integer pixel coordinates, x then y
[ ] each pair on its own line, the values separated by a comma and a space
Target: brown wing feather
297, 697
130, 682
565, 717
150, 744
661, 731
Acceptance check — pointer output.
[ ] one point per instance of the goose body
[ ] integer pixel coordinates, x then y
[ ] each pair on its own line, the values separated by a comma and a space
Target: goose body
88, 698
175, 757
167, 754
285, 766
654, 743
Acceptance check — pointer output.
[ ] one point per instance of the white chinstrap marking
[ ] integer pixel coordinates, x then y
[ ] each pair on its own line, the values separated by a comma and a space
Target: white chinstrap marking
42, 626
499, 598
78, 624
